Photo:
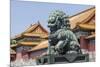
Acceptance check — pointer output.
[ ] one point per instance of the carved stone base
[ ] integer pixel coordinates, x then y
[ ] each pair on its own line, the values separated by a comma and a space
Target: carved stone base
68, 58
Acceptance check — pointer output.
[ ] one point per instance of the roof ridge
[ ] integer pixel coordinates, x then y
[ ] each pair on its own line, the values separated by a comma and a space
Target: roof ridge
31, 28
82, 12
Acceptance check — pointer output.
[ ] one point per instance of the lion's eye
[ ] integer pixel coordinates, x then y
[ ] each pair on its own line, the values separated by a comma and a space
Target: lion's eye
52, 18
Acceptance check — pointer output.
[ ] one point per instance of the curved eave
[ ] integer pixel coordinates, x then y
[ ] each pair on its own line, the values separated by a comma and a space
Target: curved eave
90, 37
35, 35
35, 49
19, 36
31, 35
13, 45
28, 43
87, 26
42, 45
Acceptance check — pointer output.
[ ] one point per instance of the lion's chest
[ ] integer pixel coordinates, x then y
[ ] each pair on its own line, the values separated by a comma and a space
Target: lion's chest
62, 35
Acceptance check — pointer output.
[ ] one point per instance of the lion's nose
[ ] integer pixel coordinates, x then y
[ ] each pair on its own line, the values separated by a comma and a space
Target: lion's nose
48, 25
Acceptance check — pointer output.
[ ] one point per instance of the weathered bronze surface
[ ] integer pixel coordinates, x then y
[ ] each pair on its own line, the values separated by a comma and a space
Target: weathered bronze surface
63, 44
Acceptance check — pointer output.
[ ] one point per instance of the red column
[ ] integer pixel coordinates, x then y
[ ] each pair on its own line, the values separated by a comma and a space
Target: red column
19, 56
91, 47
83, 43
25, 55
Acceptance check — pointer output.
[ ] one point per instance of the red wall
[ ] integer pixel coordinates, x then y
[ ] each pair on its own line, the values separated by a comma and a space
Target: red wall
85, 44
37, 53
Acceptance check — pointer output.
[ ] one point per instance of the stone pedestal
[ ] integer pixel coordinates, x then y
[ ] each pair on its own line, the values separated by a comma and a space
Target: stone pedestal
68, 58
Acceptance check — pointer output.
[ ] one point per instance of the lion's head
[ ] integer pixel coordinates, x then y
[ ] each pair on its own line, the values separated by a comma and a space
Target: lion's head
58, 19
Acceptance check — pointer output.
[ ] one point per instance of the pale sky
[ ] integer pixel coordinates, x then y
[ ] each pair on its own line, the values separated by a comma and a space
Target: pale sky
24, 13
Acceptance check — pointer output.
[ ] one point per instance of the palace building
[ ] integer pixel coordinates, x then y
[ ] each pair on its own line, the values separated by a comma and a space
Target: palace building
29, 39
33, 42
83, 25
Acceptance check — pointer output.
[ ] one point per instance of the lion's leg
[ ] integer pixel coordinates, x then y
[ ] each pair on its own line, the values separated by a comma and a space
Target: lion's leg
74, 46
59, 46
